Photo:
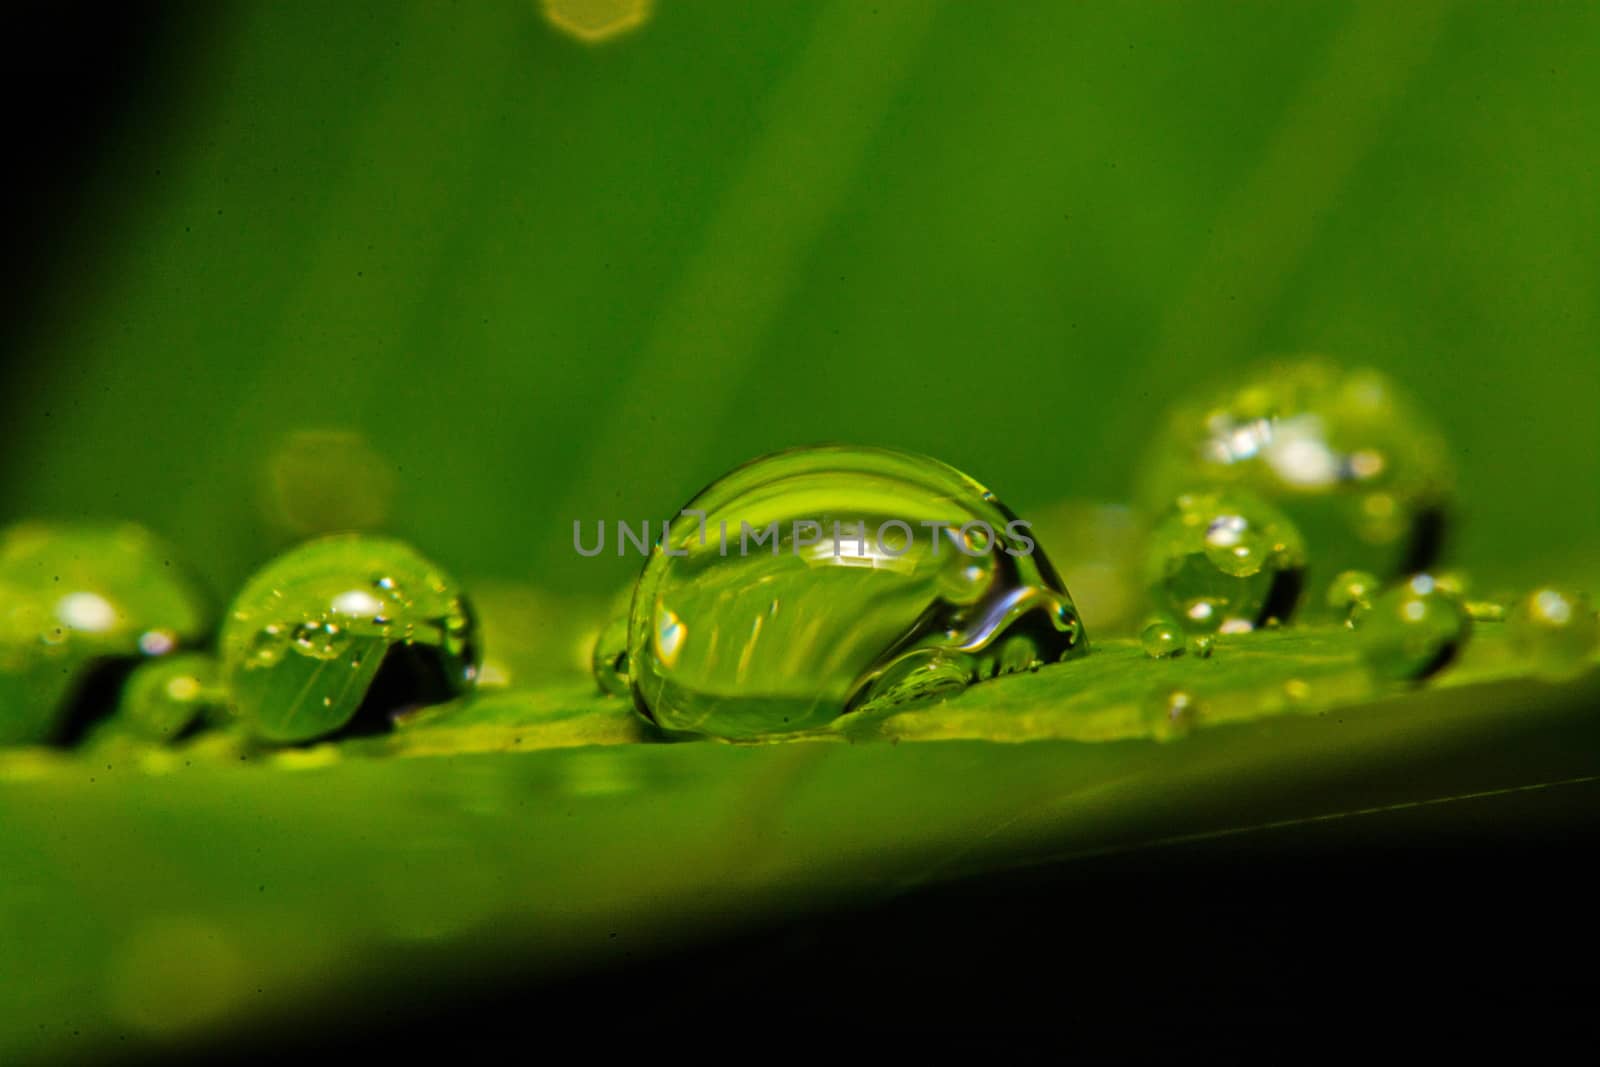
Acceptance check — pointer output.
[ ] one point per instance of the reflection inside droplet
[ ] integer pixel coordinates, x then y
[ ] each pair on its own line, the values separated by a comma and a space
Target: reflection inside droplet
88, 612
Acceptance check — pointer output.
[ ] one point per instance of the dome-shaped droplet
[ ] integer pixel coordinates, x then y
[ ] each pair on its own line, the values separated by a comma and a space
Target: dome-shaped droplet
1161, 639
164, 699
1556, 631
824, 578
1350, 592
1170, 714
80, 605
1225, 561
1362, 472
610, 660
1412, 630
342, 632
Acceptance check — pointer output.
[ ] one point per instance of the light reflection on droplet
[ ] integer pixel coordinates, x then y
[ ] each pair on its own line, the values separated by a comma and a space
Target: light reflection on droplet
88, 612
157, 642
357, 602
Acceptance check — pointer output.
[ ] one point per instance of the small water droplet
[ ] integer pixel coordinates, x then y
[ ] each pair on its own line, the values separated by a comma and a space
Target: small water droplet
1221, 559
1201, 645
74, 596
1412, 630
1556, 630
1350, 593
1171, 713
164, 698
610, 660
1161, 639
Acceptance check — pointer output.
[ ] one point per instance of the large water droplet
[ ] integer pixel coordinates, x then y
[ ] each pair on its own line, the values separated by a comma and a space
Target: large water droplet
80, 604
791, 632
1412, 630
1556, 630
1225, 561
343, 632
1364, 475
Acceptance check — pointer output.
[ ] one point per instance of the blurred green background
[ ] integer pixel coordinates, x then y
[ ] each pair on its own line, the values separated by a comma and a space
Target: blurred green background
551, 279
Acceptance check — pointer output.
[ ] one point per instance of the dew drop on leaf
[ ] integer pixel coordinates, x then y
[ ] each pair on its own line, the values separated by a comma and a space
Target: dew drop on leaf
1556, 630
1161, 639
1225, 561
1412, 630
80, 605
1360, 469
164, 699
340, 634
1350, 592
1170, 714
789, 632
610, 664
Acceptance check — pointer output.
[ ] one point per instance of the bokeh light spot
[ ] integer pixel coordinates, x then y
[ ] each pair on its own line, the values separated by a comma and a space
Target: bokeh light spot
594, 21
322, 481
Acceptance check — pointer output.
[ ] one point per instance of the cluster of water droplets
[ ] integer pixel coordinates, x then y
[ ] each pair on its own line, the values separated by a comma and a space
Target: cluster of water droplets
1353, 462
81, 604
878, 581
1225, 561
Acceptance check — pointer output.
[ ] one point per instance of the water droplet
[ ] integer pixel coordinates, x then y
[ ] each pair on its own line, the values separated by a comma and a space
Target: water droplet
1556, 630
1351, 592
1171, 713
304, 655
1161, 639
1359, 469
1412, 630
82, 599
1219, 560
791, 631
1200, 646
611, 657
165, 698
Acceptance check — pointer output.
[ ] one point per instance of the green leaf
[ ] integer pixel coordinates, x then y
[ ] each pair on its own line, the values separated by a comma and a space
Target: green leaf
165, 893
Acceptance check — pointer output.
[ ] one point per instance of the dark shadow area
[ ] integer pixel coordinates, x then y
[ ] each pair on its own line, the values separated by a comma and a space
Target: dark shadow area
411, 677
92, 700
1382, 934
78, 78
